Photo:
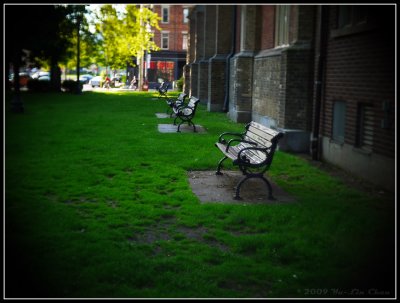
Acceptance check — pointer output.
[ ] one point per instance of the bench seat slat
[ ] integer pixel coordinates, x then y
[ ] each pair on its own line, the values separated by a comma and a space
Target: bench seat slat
255, 157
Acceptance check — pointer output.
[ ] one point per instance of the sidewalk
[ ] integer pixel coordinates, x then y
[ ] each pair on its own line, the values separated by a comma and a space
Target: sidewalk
87, 87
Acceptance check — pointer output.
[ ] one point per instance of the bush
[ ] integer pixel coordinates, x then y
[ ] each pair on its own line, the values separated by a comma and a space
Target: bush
35, 85
123, 79
70, 85
179, 84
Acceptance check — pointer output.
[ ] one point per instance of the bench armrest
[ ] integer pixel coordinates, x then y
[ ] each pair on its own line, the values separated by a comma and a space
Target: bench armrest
174, 102
242, 158
184, 110
170, 101
179, 104
221, 138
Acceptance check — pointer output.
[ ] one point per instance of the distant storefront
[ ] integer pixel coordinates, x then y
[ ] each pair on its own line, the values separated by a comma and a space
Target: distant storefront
165, 66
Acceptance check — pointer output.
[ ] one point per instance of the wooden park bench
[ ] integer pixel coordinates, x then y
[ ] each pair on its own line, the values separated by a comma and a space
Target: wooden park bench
162, 90
175, 103
251, 150
186, 113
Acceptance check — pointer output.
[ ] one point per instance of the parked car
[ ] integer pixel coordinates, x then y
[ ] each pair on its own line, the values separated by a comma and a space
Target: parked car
37, 75
96, 81
85, 78
23, 79
117, 77
44, 78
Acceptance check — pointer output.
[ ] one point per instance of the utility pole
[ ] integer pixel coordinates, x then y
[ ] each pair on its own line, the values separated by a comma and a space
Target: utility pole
140, 57
16, 102
78, 49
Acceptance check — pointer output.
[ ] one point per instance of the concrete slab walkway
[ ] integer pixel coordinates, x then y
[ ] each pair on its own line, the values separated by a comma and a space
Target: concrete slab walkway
210, 188
162, 115
170, 128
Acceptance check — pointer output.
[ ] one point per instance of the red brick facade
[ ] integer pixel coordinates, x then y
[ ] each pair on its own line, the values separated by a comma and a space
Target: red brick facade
267, 29
175, 26
167, 63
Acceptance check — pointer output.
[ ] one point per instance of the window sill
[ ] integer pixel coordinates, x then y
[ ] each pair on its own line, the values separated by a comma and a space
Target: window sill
347, 31
336, 142
362, 151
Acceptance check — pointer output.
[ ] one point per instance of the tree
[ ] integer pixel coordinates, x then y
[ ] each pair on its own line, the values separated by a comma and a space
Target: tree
16, 39
44, 31
77, 18
124, 36
52, 38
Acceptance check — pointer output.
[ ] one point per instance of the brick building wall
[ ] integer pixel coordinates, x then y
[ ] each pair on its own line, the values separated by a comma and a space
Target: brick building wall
267, 26
360, 69
275, 81
282, 91
175, 27
238, 26
266, 93
298, 90
220, 39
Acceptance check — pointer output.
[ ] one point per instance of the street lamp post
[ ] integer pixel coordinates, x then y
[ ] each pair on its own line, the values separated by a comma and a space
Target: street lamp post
147, 53
16, 102
143, 83
78, 86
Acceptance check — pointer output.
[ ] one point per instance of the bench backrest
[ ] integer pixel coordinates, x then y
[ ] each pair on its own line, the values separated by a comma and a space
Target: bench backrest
264, 137
260, 134
180, 101
181, 97
163, 87
190, 108
193, 102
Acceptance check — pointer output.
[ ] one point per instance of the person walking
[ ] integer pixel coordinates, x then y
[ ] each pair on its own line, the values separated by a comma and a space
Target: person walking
107, 83
133, 83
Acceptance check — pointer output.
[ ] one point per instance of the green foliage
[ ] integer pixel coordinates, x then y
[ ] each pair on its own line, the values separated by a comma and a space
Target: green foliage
34, 85
71, 85
179, 84
98, 205
46, 36
124, 37
123, 78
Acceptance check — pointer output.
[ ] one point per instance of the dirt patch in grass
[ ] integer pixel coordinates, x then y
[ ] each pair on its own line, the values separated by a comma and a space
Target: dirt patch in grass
210, 187
165, 231
199, 234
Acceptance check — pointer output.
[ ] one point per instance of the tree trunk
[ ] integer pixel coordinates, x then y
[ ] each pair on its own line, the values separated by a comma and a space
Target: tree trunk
16, 103
55, 74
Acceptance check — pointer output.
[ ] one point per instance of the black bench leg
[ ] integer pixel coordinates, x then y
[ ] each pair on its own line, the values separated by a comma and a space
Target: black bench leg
218, 172
179, 126
237, 195
175, 120
270, 197
194, 126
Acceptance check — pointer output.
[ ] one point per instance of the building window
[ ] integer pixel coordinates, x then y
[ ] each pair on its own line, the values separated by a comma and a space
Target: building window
365, 127
282, 25
339, 121
184, 41
164, 14
185, 15
165, 40
352, 15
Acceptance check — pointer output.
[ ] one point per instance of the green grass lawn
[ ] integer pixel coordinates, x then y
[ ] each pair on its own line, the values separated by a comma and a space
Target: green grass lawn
98, 205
